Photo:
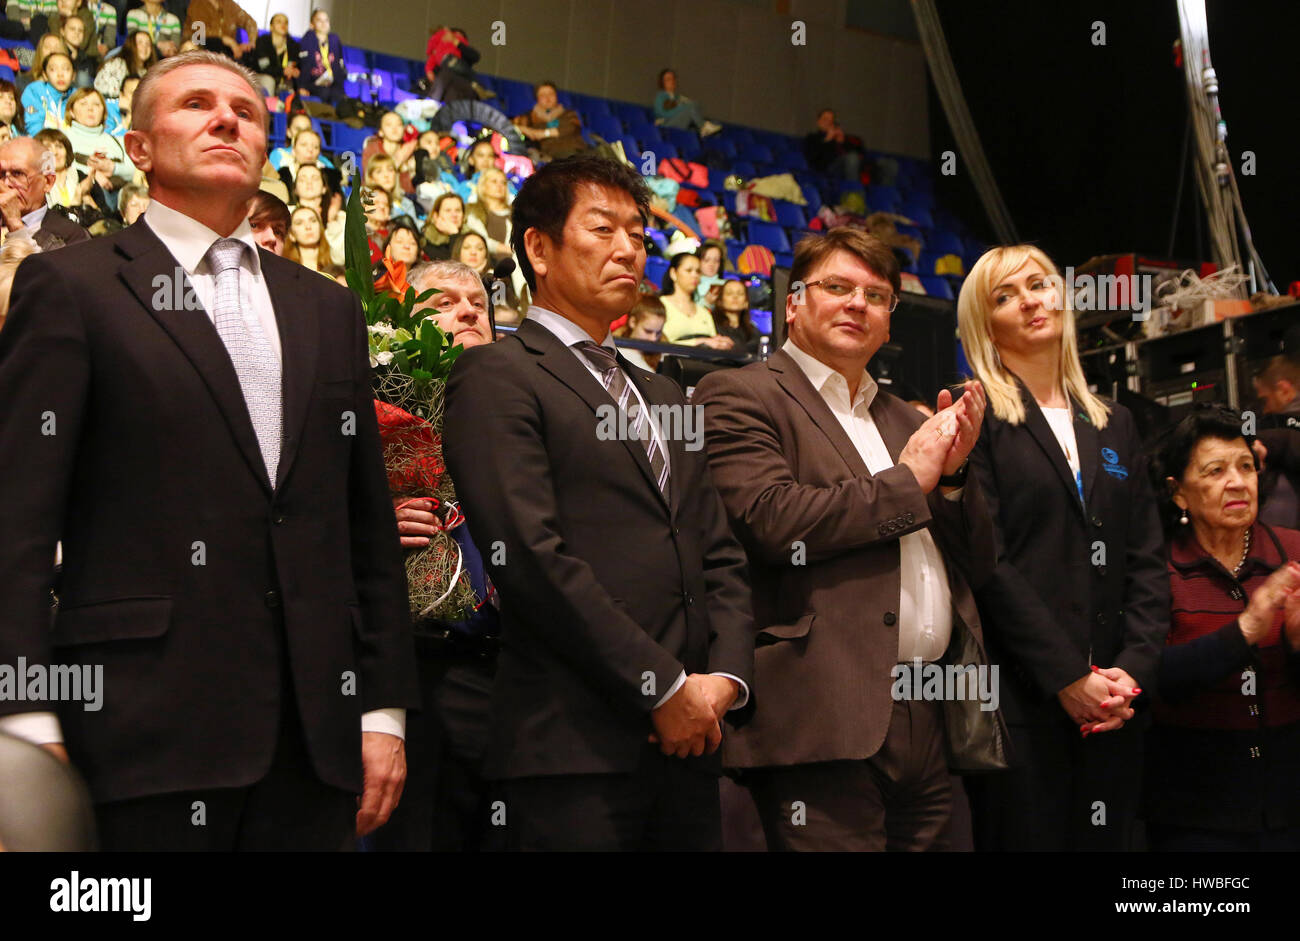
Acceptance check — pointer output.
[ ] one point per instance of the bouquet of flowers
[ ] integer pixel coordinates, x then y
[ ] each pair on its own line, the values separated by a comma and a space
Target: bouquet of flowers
412, 358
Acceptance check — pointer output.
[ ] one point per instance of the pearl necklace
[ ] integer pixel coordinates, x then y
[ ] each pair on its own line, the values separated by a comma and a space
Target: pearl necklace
1245, 550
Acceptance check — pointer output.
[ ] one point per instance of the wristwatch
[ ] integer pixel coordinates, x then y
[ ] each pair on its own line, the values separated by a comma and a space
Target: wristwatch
957, 479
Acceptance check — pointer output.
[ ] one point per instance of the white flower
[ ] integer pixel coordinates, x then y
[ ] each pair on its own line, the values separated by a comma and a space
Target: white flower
382, 329
373, 362
384, 358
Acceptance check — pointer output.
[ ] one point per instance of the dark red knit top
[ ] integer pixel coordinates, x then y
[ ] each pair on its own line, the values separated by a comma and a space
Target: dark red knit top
1206, 599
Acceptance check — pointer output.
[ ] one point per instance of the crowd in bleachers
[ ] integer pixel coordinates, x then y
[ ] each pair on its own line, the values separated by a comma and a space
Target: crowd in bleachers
442, 171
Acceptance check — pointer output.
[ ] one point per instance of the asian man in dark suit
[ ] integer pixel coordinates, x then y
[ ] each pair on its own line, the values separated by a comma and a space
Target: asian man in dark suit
192, 419
861, 536
626, 627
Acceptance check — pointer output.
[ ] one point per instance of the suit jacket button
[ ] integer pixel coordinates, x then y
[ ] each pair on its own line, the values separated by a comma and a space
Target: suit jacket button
883, 529
273, 599
1101, 617
690, 599
1096, 521
891, 618
279, 519
909, 518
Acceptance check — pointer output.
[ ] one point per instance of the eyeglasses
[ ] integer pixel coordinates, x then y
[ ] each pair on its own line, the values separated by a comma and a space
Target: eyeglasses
834, 287
22, 176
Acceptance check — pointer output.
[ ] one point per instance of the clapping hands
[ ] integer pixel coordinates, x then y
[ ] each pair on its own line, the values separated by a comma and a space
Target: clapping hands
942, 444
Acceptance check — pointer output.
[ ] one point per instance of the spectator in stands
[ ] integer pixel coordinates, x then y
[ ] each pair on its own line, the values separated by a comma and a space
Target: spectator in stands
482, 155
828, 150
398, 141
87, 46
118, 121
1080, 646
222, 20
268, 217
674, 110
489, 215
449, 65
713, 259
687, 323
1278, 388
1223, 755
25, 181
133, 59
48, 44
103, 26
446, 221
471, 249
310, 189
6, 132
645, 322
556, 131
275, 56
69, 188
163, 27
14, 251
403, 242
731, 317
72, 30
297, 124
445, 805
8, 102
44, 101
132, 201
307, 244
96, 152
378, 209
381, 174
320, 61
306, 153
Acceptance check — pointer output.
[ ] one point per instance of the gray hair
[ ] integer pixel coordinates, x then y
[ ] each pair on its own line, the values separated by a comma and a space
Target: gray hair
143, 101
420, 275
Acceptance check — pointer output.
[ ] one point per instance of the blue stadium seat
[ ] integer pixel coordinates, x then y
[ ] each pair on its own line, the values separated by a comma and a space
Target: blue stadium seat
744, 168
717, 180
607, 126
790, 214
768, 234
757, 153
688, 149
655, 268
382, 82
662, 149
792, 160
945, 243
813, 197
917, 213
783, 260
630, 148
883, 198
598, 107
936, 286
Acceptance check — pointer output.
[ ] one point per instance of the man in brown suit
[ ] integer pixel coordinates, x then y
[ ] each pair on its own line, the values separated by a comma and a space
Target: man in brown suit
855, 517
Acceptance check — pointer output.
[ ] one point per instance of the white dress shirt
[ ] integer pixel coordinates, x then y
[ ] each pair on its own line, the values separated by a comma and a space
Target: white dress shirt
570, 334
925, 603
189, 240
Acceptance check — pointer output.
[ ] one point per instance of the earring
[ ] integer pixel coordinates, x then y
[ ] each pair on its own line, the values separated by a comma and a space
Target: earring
1183, 519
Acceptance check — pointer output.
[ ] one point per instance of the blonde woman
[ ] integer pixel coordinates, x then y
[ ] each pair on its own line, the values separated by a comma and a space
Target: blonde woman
1076, 608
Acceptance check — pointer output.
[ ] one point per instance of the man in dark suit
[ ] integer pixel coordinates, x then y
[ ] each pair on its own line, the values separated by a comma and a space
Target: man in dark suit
192, 418
26, 175
626, 627
834, 487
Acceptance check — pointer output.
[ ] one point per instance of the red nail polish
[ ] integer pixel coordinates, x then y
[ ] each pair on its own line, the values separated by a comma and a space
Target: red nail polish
1136, 690
1095, 668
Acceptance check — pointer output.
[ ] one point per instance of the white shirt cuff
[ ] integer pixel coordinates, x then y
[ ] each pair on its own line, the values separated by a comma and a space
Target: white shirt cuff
681, 681
39, 728
742, 697
391, 720
955, 495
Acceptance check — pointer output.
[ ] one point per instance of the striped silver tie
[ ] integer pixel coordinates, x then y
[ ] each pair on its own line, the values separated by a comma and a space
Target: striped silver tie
616, 384
256, 364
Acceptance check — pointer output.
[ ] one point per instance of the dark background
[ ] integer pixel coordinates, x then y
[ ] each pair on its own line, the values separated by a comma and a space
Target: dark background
1085, 141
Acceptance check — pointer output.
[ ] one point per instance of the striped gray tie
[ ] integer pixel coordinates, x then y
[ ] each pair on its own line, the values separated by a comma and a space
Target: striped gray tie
256, 364
616, 384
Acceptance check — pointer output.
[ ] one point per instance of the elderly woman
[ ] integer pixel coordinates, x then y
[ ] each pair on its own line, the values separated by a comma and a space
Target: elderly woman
1075, 608
555, 131
1223, 766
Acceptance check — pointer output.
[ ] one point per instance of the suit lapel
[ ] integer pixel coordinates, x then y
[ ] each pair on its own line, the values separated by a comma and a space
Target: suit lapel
797, 385
1089, 442
1046, 438
297, 325
148, 262
558, 360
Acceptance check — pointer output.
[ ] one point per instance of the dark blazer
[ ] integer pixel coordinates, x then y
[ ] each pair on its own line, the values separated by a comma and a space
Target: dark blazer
1049, 611
194, 585
264, 59
57, 230
822, 536
605, 587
